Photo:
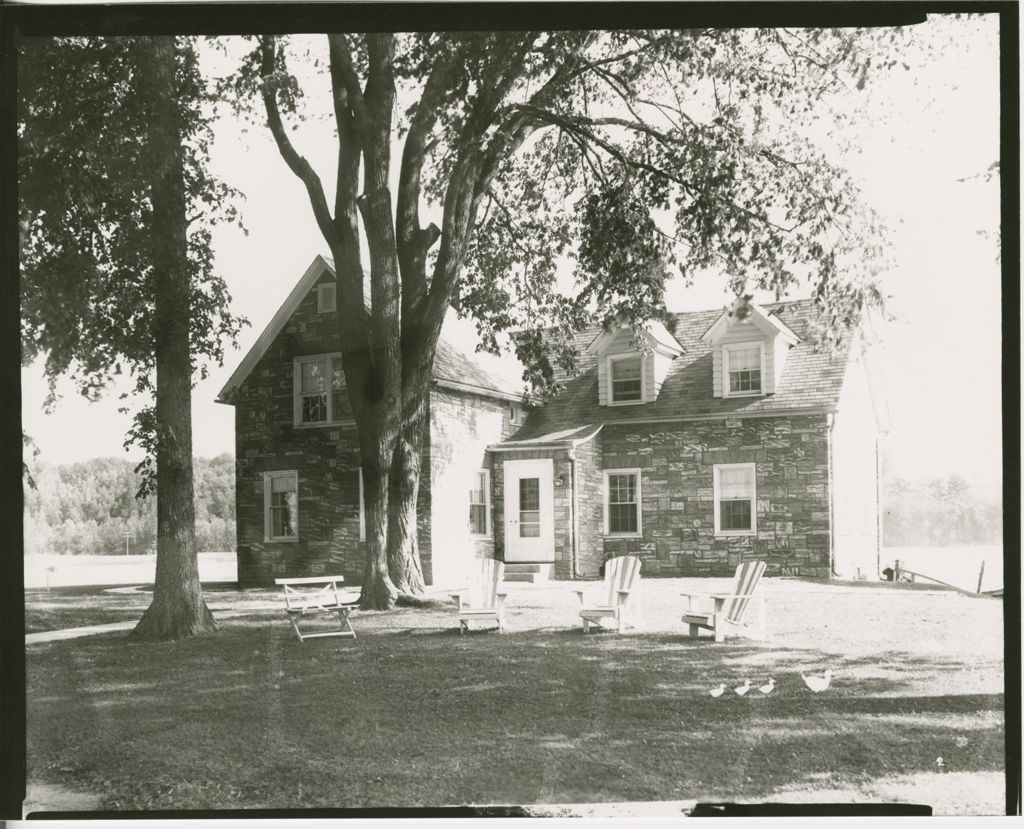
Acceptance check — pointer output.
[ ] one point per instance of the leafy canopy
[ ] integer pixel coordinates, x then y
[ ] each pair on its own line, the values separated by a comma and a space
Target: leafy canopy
85, 172
595, 165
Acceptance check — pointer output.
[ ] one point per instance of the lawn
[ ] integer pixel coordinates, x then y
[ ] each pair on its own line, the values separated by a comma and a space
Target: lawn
413, 714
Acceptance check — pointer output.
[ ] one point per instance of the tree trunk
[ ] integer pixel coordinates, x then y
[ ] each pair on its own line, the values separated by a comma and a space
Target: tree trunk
379, 592
178, 608
403, 529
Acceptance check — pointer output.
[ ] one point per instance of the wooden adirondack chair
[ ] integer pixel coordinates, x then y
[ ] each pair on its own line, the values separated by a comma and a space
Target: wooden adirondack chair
621, 599
481, 600
730, 612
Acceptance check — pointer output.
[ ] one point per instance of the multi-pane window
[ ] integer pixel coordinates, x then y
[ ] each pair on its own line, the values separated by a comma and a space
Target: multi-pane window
625, 378
622, 502
529, 507
734, 498
743, 368
479, 495
281, 505
320, 395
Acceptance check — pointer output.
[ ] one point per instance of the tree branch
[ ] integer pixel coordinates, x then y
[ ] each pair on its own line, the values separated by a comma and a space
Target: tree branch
343, 68
413, 241
348, 264
296, 163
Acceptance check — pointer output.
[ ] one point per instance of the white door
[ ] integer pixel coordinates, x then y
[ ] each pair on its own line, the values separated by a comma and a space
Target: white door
529, 510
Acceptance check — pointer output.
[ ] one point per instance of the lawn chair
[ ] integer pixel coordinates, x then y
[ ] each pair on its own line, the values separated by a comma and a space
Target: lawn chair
729, 616
481, 600
621, 600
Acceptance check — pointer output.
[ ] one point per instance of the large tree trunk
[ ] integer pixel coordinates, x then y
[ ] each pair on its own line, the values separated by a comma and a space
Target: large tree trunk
378, 592
404, 563
403, 536
178, 608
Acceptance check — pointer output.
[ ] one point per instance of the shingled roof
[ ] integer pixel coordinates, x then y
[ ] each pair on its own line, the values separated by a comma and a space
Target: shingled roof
811, 379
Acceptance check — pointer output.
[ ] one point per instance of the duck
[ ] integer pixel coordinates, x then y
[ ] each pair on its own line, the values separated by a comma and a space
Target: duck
818, 683
767, 688
742, 689
717, 692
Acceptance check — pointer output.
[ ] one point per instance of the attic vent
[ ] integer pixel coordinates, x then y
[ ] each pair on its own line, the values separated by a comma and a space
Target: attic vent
326, 297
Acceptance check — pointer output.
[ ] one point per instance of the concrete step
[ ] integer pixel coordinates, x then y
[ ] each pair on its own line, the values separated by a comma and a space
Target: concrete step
531, 572
518, 567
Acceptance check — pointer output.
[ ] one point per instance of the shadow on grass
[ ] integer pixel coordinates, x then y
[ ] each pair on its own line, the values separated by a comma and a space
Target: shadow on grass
427, 716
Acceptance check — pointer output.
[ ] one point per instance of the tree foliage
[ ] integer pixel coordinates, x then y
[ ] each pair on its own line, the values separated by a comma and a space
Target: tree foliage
621, 157
85, 508
85, 173
940, 512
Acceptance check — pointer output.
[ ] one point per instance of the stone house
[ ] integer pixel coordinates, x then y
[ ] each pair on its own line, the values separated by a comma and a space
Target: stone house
731, 438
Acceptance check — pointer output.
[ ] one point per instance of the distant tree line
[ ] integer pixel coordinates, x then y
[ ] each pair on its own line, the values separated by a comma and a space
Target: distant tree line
86, 508
941, 512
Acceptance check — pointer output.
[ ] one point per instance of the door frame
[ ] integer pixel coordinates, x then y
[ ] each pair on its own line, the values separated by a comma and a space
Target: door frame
541, 548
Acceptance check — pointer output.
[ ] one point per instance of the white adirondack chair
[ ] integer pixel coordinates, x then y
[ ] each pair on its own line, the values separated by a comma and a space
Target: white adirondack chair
621, 598
481, 601
729, 615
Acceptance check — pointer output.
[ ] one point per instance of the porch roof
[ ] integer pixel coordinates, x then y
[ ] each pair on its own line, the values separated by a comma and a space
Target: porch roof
552, 440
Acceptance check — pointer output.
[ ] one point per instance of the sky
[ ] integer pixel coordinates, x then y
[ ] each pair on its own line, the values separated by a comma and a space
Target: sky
941, 354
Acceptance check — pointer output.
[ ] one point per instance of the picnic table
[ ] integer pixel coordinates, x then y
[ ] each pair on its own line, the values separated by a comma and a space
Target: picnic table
317, 594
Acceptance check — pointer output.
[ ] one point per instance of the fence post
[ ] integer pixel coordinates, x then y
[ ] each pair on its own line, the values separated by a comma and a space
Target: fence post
981, 573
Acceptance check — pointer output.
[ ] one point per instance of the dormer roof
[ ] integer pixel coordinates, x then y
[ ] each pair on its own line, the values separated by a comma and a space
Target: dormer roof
743, 310
654, 334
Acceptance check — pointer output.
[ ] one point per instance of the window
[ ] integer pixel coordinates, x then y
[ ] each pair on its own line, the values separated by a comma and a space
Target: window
734, 499
326, 297
479, 502
529, 507
281, 506
314, 377
743, 368
622, 502
514, 413
625, 379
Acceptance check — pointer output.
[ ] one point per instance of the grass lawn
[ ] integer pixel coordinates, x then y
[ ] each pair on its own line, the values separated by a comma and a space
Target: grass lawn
413, 714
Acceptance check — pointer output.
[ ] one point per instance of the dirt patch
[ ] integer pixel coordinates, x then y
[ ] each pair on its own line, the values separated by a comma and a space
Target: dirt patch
53, 797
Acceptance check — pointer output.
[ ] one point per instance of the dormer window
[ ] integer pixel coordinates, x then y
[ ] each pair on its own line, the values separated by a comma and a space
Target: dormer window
632, 363
748, 350
744, 368
626, 379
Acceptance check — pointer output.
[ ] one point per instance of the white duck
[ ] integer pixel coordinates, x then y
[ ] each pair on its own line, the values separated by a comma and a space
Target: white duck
768, 688
818, 683
742, 689
717, 692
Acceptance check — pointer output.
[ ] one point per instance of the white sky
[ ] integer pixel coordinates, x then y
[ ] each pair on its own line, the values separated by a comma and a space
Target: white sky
942, 359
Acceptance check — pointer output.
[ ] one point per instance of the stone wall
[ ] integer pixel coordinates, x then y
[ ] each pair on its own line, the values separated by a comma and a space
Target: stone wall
590, 499
326, 459
677, 509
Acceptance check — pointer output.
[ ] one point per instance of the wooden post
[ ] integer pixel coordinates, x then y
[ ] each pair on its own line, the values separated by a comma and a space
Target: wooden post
981, 573
896, 571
